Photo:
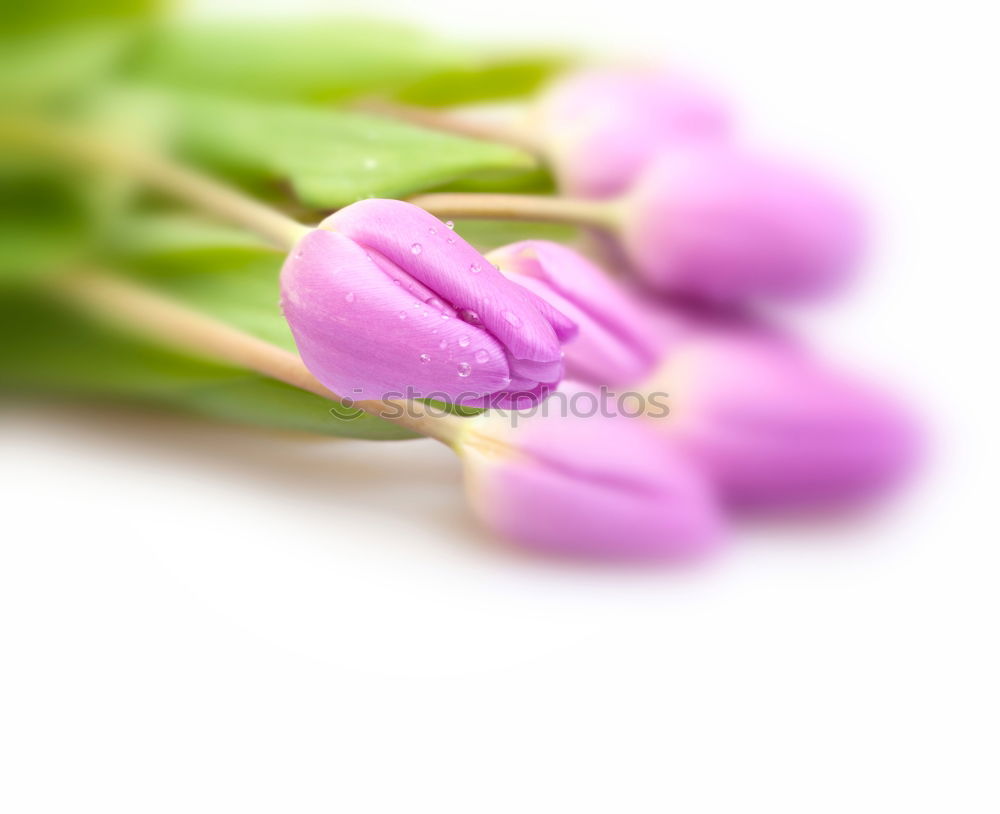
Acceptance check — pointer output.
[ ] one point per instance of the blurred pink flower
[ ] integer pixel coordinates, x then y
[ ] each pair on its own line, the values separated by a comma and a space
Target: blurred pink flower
724, 225
615, 344
383, 298
600, 128
776, 428
595, 487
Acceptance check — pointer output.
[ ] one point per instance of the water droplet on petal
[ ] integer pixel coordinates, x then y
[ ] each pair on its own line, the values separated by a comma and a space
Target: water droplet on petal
463, 341
475, 268
482, 356
424, 358
464, 369
451, 240
445, 316
443, 344
416, 248
470, 316
432, 231
512, 318
349, 296
402, 314
450, 224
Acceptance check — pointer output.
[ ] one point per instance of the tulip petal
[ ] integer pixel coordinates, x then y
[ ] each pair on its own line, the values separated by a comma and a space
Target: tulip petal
726, 226
777, 429
366, 338
601, 127
441, 260
615, 343
603, 487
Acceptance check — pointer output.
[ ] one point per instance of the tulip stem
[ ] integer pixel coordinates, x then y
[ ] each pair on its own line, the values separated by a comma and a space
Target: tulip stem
164, 320
160, 173
579, 211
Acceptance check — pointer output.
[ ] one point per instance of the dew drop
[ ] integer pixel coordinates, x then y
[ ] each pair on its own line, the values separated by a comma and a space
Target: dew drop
464, 369
469, 316
402, 314
482, 356
349, 296
450, 224
416, 248
512, 318
432, 231
443, 344
424, 358
445, 316
475, 268
451, 239
463, 341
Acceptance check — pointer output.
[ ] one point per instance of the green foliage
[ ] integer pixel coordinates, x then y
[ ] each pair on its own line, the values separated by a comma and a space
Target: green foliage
506, 77
333, 157
218, 271
48, 350
51, 65
29, 19
487, 235
45, 221
313, 61
251, 103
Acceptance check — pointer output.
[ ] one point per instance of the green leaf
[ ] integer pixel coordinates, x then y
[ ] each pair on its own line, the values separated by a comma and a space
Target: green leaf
29, 18
503, 78
332, 157
216, 270
49, 66
487, 235
47, 221
302, 61
48, 350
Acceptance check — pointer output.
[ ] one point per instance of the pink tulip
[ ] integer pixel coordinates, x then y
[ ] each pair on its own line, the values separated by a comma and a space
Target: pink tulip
600, 128
384, 300
593, 487
775, 428
615, 344
726, 226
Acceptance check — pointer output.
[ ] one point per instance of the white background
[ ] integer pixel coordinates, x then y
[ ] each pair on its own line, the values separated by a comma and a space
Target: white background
203, 619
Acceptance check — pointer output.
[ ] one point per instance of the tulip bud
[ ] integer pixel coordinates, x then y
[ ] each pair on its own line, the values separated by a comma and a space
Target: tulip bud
596, 487
723, 225
384, 300
600, 128
614, 344
776, 429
